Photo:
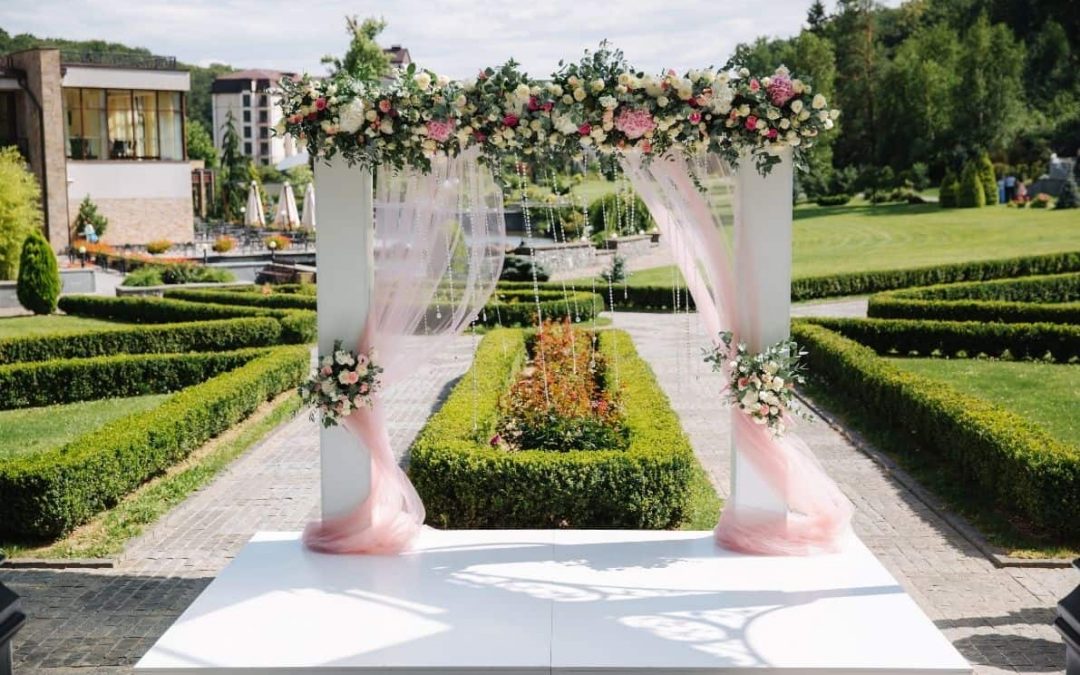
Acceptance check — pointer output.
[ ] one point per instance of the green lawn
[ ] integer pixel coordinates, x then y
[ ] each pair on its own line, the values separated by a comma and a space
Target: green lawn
860, 237
1048, 394
24, 326
31, 429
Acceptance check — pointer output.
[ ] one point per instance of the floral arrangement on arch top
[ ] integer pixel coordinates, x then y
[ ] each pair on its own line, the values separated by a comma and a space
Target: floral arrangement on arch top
600, 103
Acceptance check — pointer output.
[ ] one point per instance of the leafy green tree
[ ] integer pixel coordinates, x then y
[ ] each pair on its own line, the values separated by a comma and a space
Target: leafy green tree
89, 215
988, 179
950, 187
364, 59
970, 191
38, 288
200, 98
1068, 199
988, 101
860, 57
200, 145
234, 172
20, 209
816, 17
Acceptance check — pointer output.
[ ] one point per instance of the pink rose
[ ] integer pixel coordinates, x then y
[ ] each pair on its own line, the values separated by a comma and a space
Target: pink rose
754, 84
384, 105
348, 377
645, 145
585, 129
743, 382
364, 389
635, 123
694, 117
327, 371
751, 123
296, 119
320, 103
533, 103
773, 134
548, 105
780, 90
440, 130
510, 121
763, 410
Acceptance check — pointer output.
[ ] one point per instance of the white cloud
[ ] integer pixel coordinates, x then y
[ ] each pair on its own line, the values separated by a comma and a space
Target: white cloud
450, 36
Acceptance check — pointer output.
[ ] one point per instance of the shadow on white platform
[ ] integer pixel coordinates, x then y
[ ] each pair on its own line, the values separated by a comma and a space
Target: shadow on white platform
551, 601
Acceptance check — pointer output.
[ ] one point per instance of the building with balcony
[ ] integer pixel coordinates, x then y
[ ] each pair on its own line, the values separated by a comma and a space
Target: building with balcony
107, 126
248, 95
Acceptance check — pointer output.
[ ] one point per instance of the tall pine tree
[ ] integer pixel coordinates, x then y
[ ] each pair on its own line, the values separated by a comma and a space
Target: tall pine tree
234, 172
816, 17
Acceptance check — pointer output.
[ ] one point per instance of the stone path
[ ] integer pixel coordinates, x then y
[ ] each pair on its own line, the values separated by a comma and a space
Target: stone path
101, 621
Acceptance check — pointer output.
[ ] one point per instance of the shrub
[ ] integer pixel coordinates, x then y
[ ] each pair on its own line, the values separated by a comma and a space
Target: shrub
48, 493
988, 179
1041, 201
244, 297
518, 307
616, 274
20, 209
141, 277
619, 215
38, 287
38, 383
920, 176
197, 336
88, 216
947, 194
224, 244
520, 268
277, 242
961, 339
158, 246
176, 273
1068, 199
1010, 458
467, 483
833, 200
970, 193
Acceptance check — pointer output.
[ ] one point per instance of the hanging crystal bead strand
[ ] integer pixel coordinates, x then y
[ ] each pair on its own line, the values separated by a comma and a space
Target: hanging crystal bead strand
566, 298
524, 182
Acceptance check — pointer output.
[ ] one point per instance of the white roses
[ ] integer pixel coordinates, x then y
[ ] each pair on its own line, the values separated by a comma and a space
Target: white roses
351, 116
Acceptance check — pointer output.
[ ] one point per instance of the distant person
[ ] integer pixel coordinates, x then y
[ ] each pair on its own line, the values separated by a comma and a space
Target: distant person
1021, 191
1001, 190
1010, 187
90, 233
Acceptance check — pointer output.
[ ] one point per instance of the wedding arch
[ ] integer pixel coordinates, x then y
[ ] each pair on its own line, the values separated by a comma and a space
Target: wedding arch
410, 257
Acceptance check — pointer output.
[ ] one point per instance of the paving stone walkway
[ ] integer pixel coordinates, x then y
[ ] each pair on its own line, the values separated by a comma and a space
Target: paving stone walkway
101, 621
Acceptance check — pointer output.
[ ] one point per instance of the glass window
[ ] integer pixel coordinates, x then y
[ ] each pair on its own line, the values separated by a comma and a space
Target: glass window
247, 132
264, 132
171, 114
73, 124
264, 116
247, 100
121, 124
247, 149
263, 101
94, 123
247, 115
264, 149
146, 125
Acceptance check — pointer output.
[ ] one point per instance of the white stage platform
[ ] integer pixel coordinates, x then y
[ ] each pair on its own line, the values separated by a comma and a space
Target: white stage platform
551, 601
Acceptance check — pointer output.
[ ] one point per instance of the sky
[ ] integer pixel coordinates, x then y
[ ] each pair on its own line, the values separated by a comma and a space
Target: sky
452, 37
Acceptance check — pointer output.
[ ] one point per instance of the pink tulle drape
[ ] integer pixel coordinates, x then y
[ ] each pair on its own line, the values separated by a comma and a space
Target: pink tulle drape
439, 240
818, 514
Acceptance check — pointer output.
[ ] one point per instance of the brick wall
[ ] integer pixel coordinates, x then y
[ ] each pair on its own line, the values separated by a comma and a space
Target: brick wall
142, 220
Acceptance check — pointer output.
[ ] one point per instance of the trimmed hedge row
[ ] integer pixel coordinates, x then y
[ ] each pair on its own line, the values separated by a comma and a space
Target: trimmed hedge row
46, 494
466, 483
197, 336
246, 298
297, 326
1051, 298
23, 385
1024, 469
906, 337
517, 307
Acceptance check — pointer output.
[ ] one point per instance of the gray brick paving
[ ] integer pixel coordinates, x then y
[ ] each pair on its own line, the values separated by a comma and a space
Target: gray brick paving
101, 621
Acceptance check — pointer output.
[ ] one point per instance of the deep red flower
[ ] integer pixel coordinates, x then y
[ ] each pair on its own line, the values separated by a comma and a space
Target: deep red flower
584, 129
548, 105
510, 120
533, 103
320, 103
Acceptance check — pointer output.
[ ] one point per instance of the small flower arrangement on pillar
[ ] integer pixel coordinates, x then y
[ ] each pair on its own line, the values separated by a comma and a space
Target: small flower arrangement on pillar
344, 381
761, 385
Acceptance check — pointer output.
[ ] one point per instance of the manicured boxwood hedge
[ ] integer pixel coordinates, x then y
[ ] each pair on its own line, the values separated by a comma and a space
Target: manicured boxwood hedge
466, 483
1025, 470
517, 306
197, 336
40, 383
46, 494
247, 297
907, 337
1050, 298
298, 326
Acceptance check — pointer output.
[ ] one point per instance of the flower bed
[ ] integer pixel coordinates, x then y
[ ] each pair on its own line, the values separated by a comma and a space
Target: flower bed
46, 494
1025, 471
466, 482
1051, 298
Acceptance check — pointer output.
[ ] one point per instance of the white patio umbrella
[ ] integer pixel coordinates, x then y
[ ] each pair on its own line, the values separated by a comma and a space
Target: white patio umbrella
307, 217
253, 215
286, 216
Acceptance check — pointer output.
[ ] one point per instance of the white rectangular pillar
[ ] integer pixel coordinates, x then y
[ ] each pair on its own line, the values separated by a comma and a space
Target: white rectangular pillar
346, 265
763, 214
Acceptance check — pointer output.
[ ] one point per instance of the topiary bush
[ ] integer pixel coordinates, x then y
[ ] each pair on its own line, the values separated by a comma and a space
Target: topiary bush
970, 194
1068, 199
38, 287
89, 217
947, 194
616, 214
988, 179
520, 268
833, 200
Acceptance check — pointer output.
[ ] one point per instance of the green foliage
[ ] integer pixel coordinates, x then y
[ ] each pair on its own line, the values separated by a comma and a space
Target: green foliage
1068, 198
200, 144
970, 193
158, 246
176, 273
38, 383
364, 59
233, 179
465, 482
948, 192
20, 209
248, 297
520, 268
616, 274
38, 287
617, 215
988, 179
989, 99
49, 493
1024, 470
961, 339
833, 200
195, 336
516, 305
88, 215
